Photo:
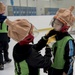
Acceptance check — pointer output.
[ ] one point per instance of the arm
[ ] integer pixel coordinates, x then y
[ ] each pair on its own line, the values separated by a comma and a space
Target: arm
41, 44
33, 58
69, 53
38, 61
47, 53
43, 41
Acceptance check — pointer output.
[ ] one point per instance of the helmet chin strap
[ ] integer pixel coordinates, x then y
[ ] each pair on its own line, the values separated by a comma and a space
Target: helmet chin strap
27, 39
65, 28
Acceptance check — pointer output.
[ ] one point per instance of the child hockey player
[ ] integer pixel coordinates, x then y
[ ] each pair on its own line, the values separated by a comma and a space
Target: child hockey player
3, 38
63, 49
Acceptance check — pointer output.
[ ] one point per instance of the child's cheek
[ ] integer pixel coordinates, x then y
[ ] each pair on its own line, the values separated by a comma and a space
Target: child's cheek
57, 28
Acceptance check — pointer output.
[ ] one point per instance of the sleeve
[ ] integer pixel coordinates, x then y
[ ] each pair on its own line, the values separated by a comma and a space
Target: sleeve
38, 61
41, 44
43, 41
47, 53
69, 53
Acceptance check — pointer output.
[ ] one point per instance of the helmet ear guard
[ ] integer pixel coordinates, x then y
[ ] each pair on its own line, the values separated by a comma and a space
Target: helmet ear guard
65, 28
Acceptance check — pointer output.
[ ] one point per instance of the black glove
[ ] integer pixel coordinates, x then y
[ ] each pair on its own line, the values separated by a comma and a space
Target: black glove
48, 54
48, 51
51, 32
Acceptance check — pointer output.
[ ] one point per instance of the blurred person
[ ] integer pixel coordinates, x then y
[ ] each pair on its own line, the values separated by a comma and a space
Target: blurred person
63, 49
3, 38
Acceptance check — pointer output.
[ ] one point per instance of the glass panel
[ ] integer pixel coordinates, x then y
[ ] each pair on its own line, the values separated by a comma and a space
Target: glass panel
40, 7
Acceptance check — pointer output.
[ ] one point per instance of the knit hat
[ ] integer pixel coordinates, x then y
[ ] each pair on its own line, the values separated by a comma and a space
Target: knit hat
66, 16
19, 29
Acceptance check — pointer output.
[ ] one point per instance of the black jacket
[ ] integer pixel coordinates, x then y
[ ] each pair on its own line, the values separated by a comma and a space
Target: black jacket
31, 54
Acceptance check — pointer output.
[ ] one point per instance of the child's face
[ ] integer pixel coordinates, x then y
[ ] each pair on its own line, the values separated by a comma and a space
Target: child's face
57, 25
